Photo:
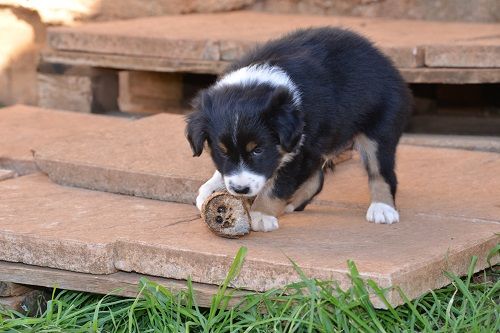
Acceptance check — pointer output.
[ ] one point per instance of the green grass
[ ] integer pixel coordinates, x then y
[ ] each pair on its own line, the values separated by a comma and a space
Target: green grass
465, 305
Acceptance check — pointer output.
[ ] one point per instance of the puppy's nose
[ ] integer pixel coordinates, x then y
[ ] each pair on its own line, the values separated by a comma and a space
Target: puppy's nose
240, 189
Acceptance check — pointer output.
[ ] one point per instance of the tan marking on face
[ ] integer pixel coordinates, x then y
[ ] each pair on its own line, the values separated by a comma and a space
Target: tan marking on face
379, 189
222, 147
250, 146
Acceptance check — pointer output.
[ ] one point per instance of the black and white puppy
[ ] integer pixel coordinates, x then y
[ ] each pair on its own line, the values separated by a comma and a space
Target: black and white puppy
274, 118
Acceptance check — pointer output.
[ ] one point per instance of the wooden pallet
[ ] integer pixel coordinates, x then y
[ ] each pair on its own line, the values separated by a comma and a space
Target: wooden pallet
120, 283
424, 52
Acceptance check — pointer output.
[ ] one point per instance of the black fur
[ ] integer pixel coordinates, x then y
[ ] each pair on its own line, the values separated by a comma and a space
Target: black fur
347, 87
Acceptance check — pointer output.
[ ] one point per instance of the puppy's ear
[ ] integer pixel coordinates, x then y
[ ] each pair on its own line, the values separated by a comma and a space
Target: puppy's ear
284, 118
196, 129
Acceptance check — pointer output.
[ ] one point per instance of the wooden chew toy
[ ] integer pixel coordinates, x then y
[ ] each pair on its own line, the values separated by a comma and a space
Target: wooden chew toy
226, 215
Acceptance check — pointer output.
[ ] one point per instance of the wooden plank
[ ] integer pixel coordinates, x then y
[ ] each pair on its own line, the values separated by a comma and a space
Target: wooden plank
67, 92
120, 283
155, 64
451, 75
150, 92
475, 54
142, 63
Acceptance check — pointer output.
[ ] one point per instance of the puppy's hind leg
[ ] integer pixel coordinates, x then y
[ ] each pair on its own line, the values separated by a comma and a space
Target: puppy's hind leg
378, 158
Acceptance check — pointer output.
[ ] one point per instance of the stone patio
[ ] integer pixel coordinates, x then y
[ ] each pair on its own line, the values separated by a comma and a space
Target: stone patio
448, 199
150, 158
24, 127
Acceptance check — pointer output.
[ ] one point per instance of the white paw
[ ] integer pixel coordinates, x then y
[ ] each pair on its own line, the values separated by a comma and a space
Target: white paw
382, 213
289, 208
202, 196
263, 222
213, 184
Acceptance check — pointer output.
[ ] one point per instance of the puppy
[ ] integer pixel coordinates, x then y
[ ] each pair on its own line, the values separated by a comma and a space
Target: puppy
274, 118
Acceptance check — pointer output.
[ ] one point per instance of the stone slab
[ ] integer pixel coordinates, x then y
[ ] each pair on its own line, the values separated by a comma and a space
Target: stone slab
432, 181
24, 127
6, 174
45, 224
53, 226
467, 142
151, 158
447, 215
225, 36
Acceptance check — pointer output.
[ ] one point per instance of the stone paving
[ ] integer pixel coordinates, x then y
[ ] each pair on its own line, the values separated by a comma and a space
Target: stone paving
448, 200
449, 211
150, 158
24, 127
6, 174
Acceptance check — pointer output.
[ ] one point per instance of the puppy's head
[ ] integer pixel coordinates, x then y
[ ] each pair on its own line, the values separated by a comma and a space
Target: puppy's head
248, 129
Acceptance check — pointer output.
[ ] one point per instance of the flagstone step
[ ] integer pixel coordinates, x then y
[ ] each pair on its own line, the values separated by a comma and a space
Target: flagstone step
468, 142
148, 158
24, 127
6, 174
432, 181
207, 42
44, 224
151, 158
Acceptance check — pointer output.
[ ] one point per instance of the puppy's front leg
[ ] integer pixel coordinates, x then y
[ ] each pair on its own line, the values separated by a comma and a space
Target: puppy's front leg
265, 211
214, 184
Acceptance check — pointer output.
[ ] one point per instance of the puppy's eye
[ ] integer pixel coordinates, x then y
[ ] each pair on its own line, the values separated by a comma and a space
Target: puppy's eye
222, 148
257, 151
